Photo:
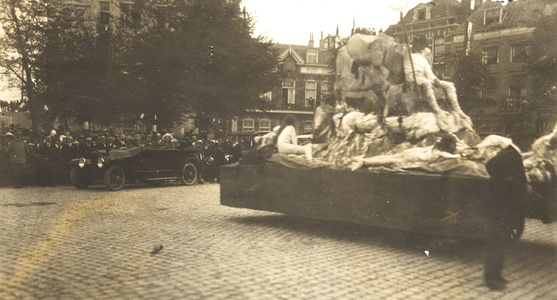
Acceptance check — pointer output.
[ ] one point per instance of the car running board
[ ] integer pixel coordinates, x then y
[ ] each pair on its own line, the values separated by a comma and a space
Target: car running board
162, 178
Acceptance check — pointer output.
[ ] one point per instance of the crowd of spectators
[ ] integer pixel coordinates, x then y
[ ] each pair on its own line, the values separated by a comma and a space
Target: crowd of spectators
30, 159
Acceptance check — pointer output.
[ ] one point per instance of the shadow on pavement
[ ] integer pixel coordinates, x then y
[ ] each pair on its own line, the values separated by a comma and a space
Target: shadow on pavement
465, 249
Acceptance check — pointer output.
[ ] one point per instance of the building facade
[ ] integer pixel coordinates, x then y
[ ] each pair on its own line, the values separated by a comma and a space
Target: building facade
502, 35
438, 22
306, 83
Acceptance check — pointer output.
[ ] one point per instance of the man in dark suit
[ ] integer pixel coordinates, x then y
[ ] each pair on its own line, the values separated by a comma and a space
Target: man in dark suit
18, 152
49, 155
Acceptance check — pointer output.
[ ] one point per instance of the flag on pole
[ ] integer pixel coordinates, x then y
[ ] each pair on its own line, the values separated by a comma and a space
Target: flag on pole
45, 108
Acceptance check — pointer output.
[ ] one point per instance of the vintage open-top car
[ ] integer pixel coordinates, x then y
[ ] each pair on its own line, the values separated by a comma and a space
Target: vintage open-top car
149, 164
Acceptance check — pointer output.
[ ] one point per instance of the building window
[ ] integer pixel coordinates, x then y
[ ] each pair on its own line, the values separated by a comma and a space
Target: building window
490, 87
104, 16
268, 96
311, 93
265, 125
289, 92
288, 84
248, 125
518, 53
490, 55
311, 57
308, 126
5, 121
492, 16
420, 15
234, 125
491, 83
517, 86
439, 50
105, 6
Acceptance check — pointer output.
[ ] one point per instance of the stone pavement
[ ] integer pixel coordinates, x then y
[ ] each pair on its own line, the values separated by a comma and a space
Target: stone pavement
64, 243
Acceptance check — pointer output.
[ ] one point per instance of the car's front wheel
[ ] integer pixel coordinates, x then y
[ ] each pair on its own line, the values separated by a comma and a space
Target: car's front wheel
114, 178
80, 177
189, 174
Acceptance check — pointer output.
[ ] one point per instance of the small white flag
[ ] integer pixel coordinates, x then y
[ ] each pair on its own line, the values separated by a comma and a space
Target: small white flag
86, 125
142, 116
45, 108
155, 117
154, 128
22, 105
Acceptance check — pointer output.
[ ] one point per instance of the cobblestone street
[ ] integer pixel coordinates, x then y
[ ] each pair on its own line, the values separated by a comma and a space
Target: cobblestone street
65, 243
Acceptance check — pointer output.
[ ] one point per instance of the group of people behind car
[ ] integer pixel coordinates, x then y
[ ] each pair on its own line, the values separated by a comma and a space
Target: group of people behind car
29, 159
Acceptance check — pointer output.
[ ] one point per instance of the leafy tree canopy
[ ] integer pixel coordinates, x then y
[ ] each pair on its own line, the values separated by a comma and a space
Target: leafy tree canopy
542, 58
200, 57
158, 58
469, 76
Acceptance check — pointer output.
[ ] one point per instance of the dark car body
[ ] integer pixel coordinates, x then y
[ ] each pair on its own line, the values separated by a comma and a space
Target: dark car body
149, 164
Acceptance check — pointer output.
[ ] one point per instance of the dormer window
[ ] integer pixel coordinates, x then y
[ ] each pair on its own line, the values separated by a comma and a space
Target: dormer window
493, 16
311, 57
421, 14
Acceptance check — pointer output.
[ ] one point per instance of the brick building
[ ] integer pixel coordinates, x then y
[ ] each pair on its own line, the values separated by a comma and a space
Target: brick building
502, 33
437, 21
306, 83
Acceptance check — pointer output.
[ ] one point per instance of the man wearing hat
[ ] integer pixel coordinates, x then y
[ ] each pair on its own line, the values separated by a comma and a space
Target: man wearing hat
18, 152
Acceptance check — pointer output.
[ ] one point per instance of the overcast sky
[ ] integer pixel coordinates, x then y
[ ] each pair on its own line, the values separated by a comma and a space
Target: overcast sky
291, 21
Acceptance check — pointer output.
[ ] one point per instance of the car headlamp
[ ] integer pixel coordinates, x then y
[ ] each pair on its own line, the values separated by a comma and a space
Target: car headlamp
100, 162
81, 162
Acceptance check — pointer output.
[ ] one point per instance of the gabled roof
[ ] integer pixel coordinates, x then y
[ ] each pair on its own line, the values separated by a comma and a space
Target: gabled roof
299, 52
516, 13
439, 9
284, 54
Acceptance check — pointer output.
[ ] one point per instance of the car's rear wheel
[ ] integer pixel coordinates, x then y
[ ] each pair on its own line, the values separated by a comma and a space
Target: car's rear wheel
114, 178
189, 174
80, 178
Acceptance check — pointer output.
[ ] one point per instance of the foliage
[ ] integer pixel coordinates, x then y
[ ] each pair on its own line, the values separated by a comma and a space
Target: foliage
200, 57
160, 60
542, 62
73, 68
469, 75
21, 22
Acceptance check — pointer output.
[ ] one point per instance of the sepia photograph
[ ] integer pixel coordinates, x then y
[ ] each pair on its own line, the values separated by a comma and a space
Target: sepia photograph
262, 149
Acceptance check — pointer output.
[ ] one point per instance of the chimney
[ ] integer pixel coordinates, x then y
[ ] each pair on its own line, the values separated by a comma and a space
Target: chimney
310, 44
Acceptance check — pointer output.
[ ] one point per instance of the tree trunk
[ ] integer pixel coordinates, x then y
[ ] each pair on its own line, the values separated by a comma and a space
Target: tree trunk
27, 80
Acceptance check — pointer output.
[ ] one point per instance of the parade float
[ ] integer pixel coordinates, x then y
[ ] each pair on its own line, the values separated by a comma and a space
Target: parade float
424, 170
